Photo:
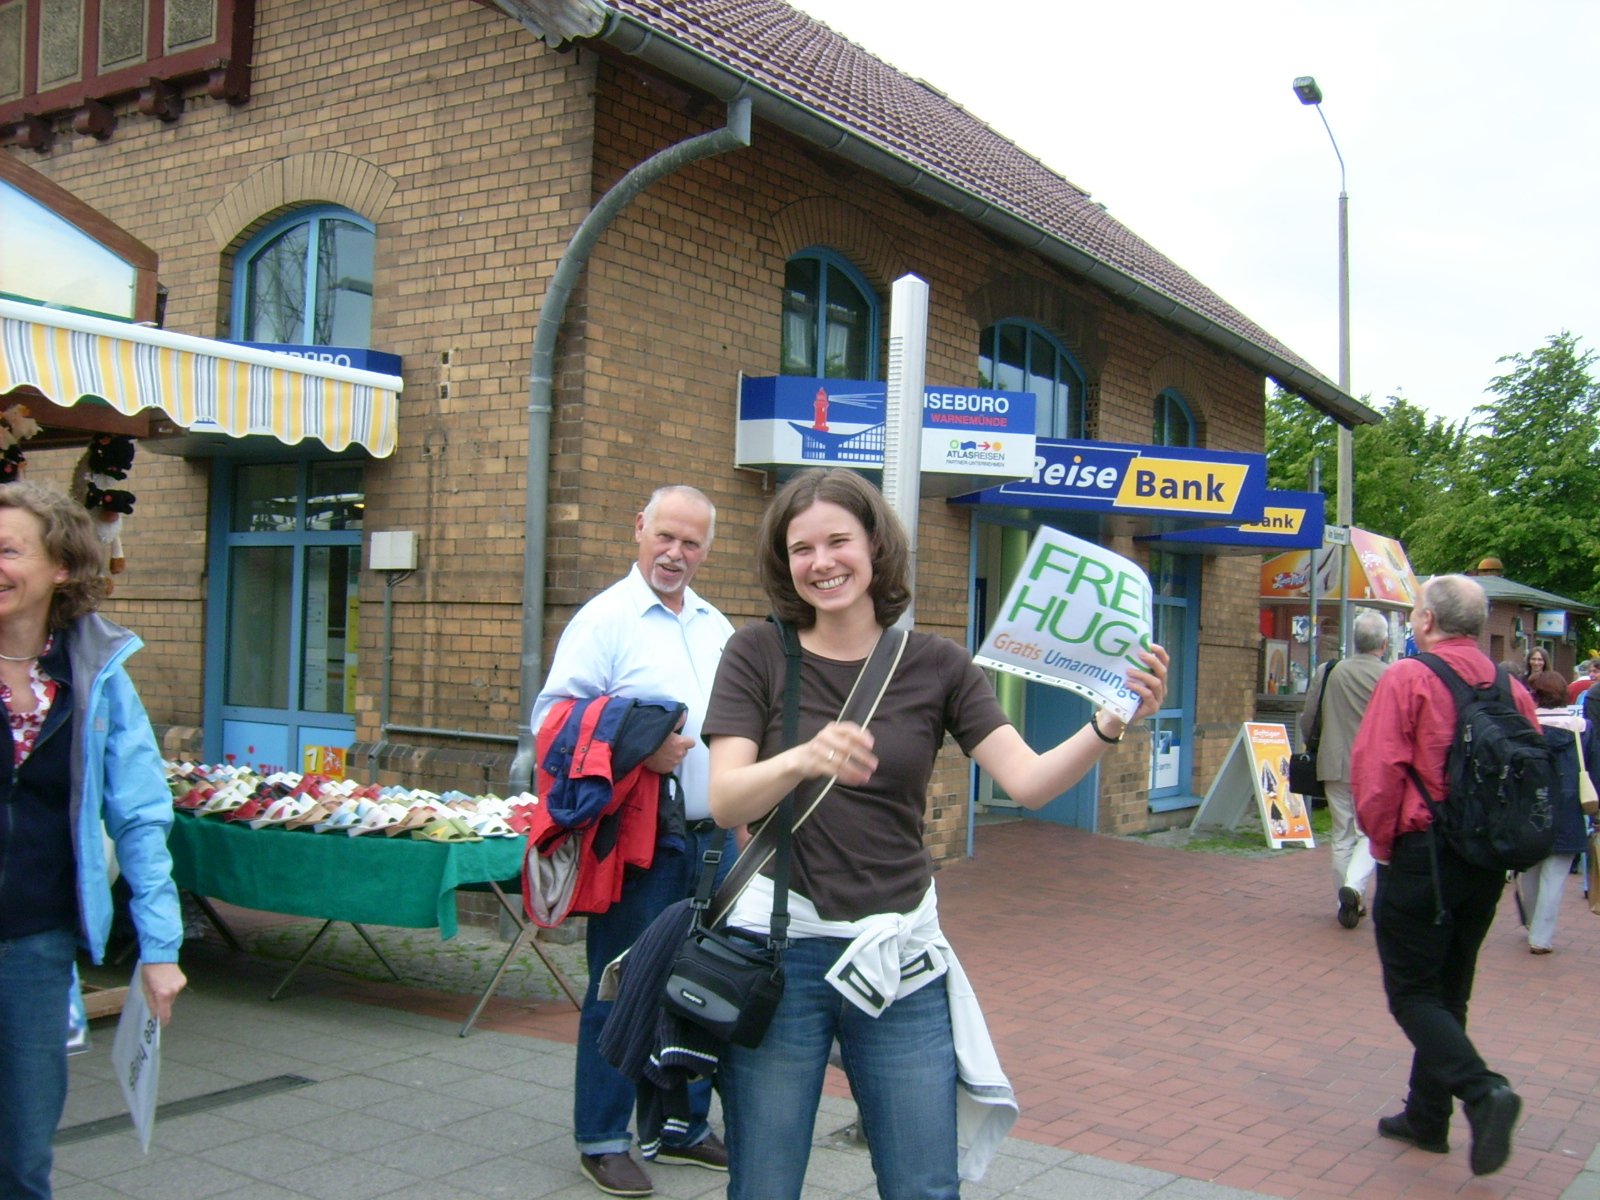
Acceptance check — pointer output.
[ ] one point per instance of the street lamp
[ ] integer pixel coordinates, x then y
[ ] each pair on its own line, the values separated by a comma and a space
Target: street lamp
1305, 87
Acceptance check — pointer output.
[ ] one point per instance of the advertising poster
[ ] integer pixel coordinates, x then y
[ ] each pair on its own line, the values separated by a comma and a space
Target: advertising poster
1253, 785
1282, 812
1076, 617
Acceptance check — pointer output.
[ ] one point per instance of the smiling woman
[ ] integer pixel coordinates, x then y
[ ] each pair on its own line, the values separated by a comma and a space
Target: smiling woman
65, 693
835, 564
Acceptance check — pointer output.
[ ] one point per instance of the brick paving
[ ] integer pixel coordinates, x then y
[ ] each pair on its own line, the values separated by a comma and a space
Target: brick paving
1204, 1016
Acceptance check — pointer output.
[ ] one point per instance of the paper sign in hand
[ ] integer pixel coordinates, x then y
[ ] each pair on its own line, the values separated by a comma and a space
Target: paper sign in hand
136, 1058
1076, 617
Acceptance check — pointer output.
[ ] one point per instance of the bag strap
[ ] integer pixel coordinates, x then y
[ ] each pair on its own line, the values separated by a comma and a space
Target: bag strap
784, 814
778, 935
1314, 735
859, 706
1461, 692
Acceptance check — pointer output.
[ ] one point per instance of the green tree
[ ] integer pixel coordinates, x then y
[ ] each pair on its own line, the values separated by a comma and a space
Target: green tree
1297, 434
1404, 465
1525, 488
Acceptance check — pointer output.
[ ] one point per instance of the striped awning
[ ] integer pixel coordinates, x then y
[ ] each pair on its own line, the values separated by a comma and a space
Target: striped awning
201, 384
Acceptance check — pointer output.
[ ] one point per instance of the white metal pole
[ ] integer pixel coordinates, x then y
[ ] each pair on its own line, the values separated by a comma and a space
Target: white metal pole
902, 441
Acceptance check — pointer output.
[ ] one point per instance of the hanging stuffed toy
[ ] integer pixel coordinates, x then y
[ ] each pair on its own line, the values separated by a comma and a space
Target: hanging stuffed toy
105, 463
16, 427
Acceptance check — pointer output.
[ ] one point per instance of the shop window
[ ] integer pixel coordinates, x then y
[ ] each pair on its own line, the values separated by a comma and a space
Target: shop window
306, 280
1174, 423
1018, 356
287, 548
830, 318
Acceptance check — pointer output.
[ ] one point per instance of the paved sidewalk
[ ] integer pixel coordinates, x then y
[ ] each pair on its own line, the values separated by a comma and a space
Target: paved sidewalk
1184, 1026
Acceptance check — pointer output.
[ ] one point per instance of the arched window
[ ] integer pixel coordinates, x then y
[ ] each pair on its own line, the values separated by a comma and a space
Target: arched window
1174, 424
306, 280
1018, 356
830, 318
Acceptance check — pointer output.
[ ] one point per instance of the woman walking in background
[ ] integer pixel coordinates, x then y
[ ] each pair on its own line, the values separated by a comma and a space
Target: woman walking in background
1539, 888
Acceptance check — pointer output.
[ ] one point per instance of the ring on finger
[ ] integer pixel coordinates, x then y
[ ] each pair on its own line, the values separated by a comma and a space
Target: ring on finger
832, 754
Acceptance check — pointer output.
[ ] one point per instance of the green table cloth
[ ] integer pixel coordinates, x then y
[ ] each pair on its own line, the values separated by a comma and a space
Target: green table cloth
369, 880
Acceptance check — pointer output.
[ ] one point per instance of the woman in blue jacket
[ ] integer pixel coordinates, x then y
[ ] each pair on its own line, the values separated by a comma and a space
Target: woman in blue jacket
83, 761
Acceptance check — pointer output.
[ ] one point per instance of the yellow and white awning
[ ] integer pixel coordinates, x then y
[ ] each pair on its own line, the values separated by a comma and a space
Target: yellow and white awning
203, 385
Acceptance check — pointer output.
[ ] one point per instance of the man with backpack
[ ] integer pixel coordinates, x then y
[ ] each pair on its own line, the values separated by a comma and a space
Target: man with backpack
1437, 890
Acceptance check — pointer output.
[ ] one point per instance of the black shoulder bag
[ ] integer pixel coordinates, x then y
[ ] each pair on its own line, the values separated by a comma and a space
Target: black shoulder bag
1303, 766
729, 981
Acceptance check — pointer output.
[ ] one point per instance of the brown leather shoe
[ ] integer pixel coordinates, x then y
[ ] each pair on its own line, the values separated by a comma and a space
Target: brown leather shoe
710, 1154
616, 1174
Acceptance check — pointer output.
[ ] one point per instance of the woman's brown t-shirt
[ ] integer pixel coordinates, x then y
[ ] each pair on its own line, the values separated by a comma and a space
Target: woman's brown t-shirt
861, 851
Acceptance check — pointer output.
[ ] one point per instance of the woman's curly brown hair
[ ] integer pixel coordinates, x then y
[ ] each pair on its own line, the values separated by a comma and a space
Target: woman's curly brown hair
68, 536
891, 548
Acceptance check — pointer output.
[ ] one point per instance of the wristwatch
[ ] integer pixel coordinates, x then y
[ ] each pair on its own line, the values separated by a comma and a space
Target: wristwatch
1094, 724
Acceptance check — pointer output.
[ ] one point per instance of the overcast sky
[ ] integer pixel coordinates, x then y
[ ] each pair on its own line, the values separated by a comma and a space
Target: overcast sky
1468, 130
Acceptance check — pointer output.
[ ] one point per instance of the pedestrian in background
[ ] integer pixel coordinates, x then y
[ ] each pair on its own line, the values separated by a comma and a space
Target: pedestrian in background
1539, 888
1349, 687
1432, 908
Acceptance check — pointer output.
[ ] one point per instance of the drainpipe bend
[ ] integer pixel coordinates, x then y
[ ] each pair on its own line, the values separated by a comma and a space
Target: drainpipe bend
734, 135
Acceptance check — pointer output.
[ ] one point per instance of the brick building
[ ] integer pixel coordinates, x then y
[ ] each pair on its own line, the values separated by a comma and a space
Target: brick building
404, 177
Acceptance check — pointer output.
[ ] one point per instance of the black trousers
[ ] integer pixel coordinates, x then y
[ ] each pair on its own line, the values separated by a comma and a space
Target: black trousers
1428, 969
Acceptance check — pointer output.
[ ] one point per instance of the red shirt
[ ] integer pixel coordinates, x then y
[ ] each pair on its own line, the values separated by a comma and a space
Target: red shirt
1411, 721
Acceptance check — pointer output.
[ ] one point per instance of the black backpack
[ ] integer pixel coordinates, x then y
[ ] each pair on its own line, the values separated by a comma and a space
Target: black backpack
1500, 812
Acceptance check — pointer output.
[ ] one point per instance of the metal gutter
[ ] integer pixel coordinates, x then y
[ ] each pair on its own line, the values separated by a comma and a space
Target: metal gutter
734, 135
631, 37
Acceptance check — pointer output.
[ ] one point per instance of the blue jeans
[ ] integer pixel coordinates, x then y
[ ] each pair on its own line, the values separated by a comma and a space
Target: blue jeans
901, 1066
602, 1097
35, 975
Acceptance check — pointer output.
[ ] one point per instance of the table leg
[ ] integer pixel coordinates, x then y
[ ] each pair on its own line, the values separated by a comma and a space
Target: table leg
525, 933
300, 962
374, 947
217, 923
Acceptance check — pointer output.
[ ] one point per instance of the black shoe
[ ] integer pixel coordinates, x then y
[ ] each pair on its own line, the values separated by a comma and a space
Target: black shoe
1350, 908
616, 1174
1400, 1129
710, 1154
1492, 1119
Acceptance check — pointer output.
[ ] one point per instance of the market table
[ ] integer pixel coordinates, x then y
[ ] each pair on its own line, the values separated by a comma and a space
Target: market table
373, 880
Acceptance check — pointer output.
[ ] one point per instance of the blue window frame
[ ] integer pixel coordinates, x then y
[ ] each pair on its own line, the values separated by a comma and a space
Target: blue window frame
1175, 583
1174, 423
830, 318
1019, 356
282, 625
306, 280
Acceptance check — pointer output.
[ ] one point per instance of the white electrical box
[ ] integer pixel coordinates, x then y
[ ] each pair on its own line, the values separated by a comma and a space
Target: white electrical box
393, 552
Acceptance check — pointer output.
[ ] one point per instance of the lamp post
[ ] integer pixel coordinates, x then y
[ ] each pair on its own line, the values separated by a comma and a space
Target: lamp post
1305, 87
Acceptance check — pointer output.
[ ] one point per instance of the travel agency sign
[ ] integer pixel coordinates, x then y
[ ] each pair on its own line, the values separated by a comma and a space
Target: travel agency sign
971, 437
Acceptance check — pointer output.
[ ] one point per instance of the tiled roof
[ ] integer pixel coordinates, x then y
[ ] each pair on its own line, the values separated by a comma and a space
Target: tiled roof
792, 54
